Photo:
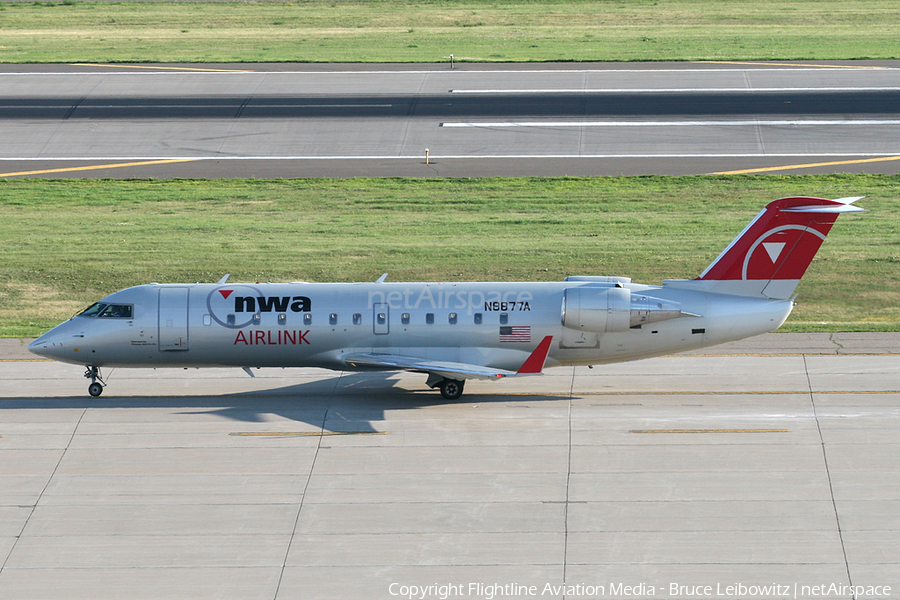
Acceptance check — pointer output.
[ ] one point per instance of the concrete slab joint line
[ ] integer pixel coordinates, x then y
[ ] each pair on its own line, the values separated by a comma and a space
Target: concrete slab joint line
312, 468
37, 502
837, 516
568, 477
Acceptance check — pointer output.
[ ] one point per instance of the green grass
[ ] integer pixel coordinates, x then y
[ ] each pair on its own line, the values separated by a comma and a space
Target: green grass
429, 31
68, 243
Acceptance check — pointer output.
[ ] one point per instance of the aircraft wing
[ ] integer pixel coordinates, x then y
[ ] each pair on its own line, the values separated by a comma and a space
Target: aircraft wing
450, 370
533, 365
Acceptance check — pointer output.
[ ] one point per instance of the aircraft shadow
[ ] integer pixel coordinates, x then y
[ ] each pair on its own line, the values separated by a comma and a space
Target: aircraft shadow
346, 403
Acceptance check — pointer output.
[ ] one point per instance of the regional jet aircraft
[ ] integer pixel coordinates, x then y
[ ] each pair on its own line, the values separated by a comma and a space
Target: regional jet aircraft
454, 331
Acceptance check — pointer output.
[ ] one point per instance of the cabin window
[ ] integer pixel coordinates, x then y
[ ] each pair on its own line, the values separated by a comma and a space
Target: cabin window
207, 320
282, 319
332, 319
381, 318
504, 318
453, 318
479, 318
257, 317
357, 319
307, 319
429, 318
404, 318
230, 320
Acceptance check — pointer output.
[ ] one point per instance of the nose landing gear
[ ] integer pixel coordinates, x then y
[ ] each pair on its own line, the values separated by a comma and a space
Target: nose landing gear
97, 383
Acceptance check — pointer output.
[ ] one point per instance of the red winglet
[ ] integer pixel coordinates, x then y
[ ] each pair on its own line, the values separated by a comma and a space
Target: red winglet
535, 361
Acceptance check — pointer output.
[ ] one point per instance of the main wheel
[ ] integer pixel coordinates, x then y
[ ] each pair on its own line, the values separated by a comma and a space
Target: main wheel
95, 389
451, 389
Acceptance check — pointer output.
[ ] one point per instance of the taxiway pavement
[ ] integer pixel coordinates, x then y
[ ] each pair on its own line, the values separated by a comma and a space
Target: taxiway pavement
475, 120
773, 461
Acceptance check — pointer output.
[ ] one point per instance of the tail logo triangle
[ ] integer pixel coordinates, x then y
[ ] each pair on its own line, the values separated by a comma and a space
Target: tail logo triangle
774, 250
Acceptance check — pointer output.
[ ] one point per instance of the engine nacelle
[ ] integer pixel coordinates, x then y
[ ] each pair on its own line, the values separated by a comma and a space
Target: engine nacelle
598, 309
608, 309
647, 309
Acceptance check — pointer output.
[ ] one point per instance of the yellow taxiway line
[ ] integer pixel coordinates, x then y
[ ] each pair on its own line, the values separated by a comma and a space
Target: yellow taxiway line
809, 165
303, 433
709, 431
727, 393
97, 167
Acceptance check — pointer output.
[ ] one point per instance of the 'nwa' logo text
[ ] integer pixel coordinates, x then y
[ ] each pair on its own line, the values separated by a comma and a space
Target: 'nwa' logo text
270, 304
280, 304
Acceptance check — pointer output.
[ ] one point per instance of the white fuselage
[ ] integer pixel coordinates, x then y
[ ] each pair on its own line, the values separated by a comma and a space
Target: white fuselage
309, 324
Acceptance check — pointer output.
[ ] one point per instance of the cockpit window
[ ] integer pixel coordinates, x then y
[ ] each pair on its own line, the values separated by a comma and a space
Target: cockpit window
108, 311
93, 310
117, 311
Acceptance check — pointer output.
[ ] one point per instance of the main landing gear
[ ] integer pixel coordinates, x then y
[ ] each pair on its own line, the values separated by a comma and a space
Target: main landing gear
97, 383
451, 389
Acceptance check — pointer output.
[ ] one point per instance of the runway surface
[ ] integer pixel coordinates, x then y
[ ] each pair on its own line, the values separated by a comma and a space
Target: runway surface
773, 462
474, 120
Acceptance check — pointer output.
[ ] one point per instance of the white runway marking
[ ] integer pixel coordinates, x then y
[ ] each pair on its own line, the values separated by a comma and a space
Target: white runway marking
722, 123
676, 90
89, 106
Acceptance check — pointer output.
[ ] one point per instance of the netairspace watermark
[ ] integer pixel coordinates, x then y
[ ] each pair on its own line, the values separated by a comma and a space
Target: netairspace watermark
620, 590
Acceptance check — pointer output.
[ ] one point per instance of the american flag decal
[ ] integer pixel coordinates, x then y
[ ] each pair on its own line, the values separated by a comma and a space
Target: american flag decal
521, 333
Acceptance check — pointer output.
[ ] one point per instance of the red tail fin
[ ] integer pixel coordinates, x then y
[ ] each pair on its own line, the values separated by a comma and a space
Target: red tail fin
773, 252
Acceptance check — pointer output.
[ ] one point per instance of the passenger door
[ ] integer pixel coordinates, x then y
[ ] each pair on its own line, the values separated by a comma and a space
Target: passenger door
173, 319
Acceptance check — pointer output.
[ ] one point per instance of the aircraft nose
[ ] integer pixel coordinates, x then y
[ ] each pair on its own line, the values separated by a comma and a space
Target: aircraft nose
52, 344
45, 346
38, 346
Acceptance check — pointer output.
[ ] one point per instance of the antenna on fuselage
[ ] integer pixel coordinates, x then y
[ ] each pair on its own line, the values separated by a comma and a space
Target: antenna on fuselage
382, 278
224, 279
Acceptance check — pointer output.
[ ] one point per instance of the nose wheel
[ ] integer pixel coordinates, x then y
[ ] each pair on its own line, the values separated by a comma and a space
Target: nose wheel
97, 383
